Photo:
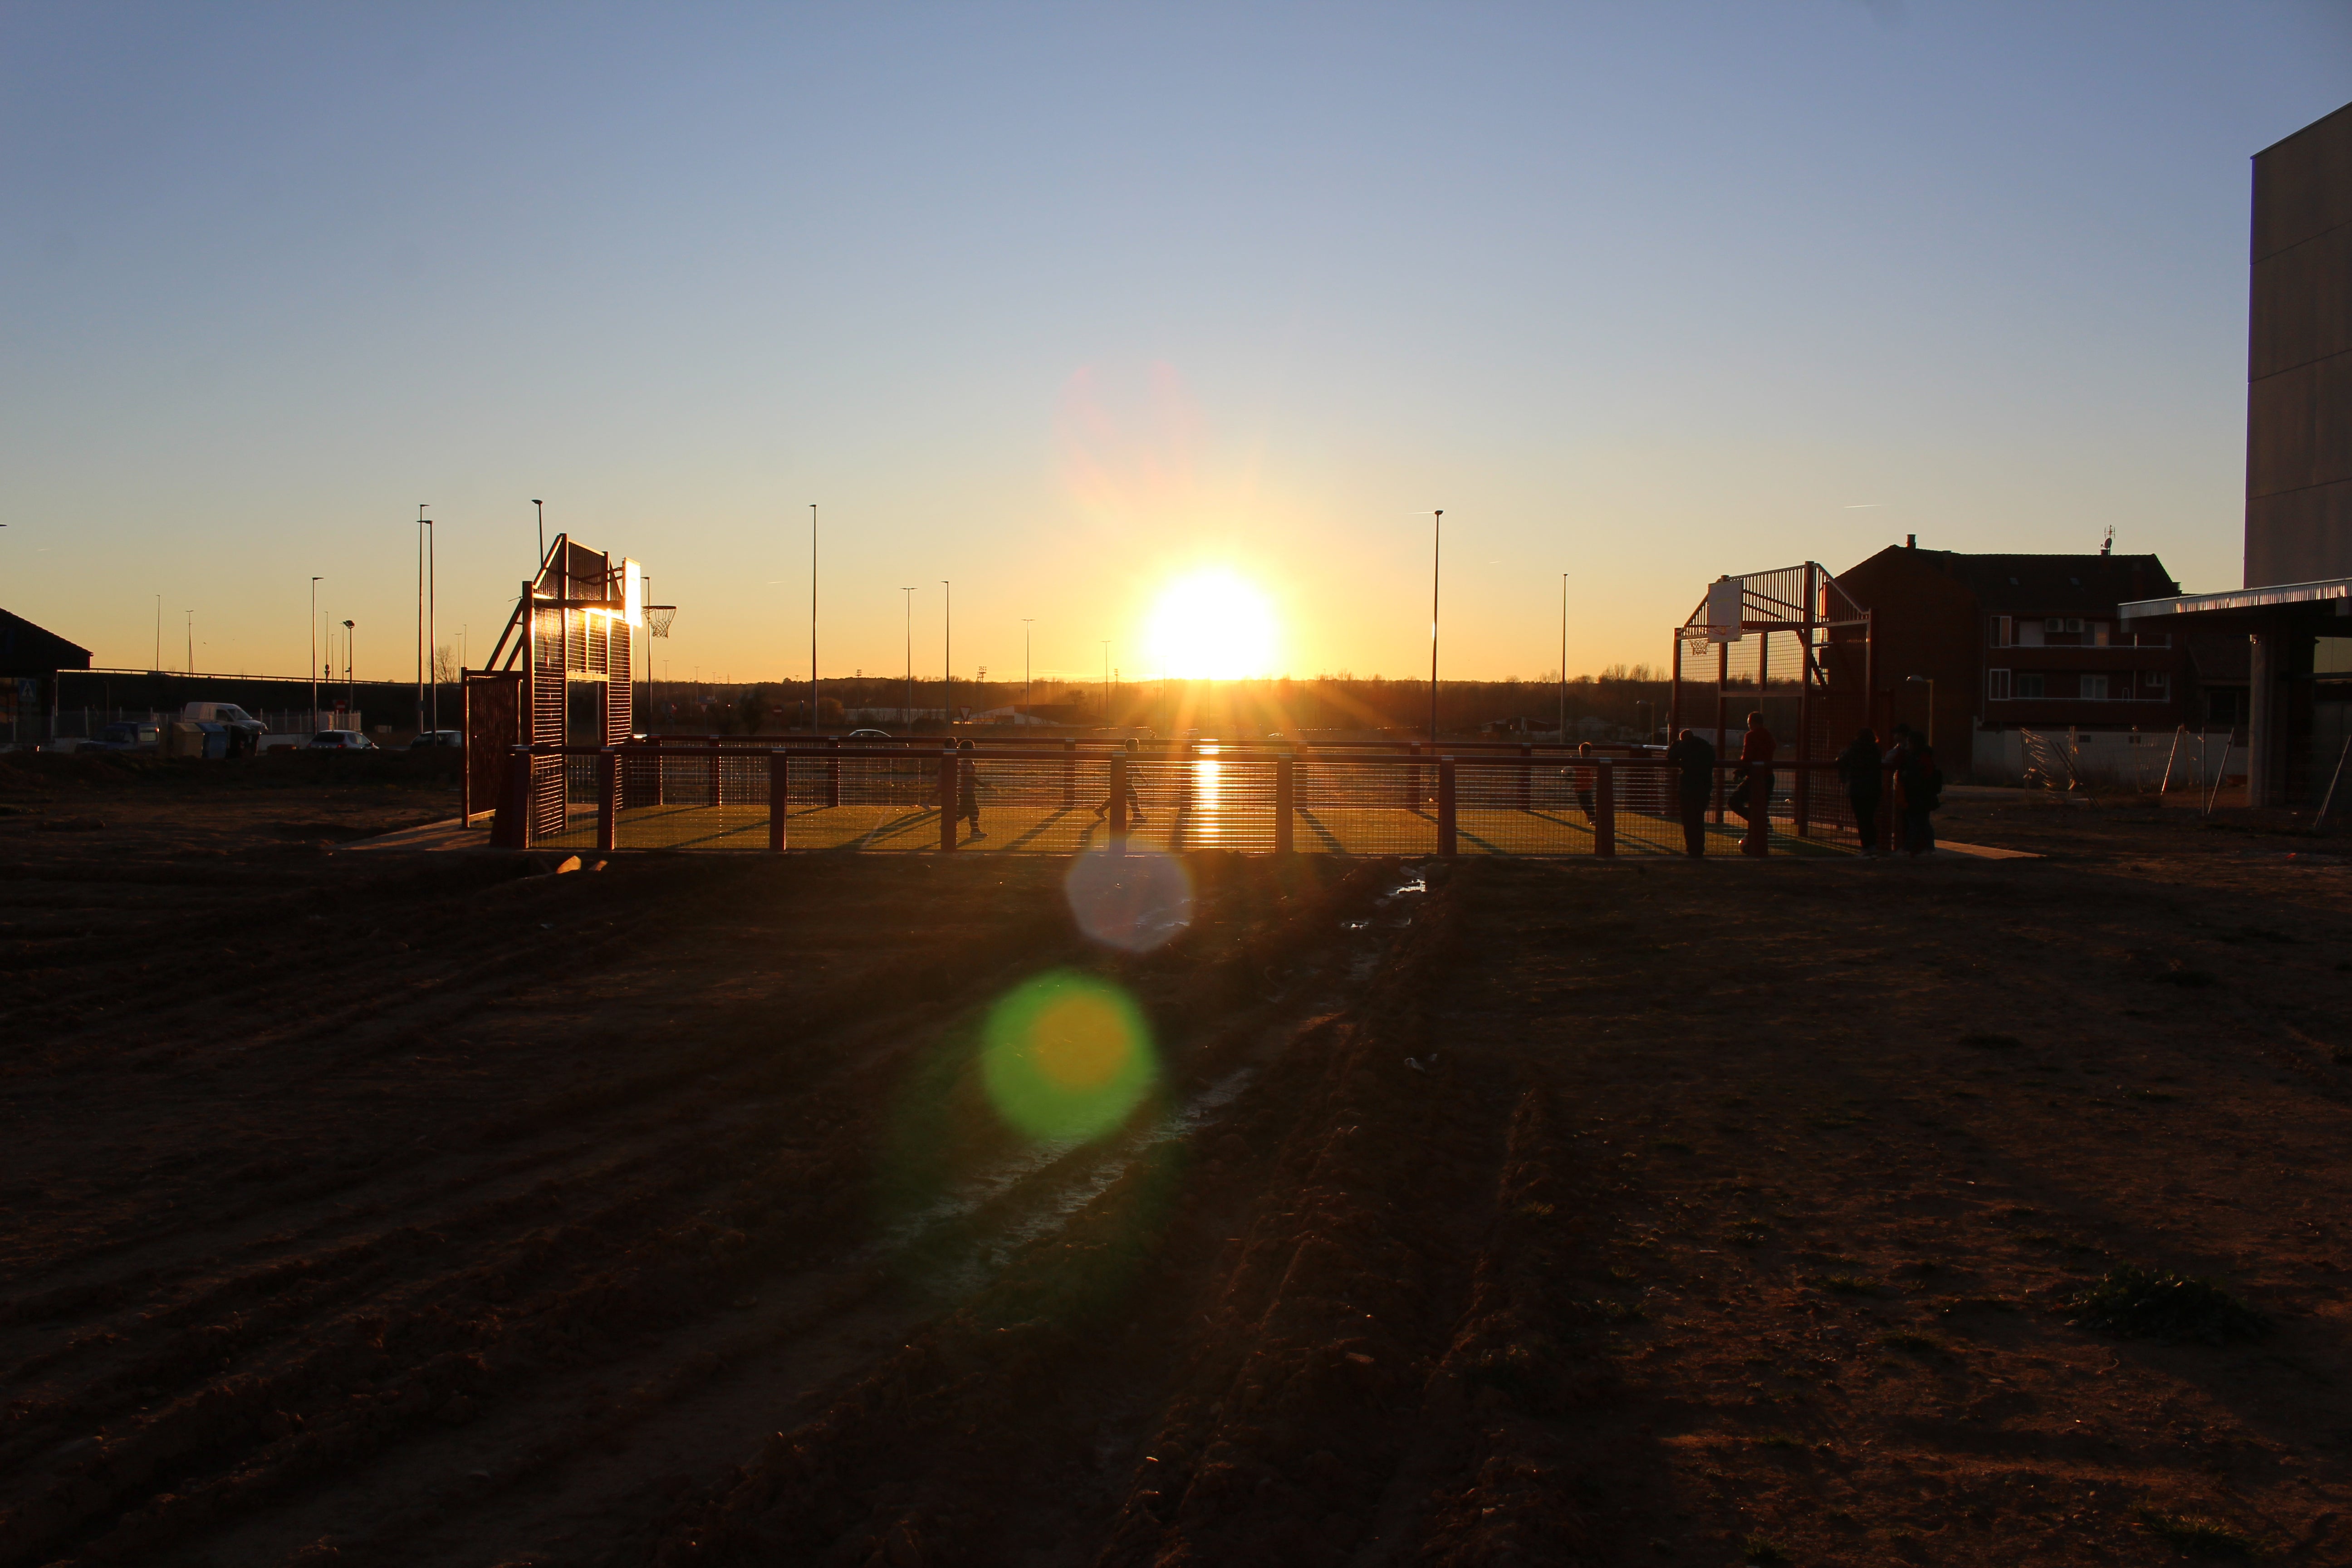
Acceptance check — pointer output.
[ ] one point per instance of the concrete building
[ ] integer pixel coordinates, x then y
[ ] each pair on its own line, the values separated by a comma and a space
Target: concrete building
2295, 607
2005, 643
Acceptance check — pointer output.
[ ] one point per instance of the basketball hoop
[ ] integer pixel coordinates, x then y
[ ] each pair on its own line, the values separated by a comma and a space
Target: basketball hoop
658, 617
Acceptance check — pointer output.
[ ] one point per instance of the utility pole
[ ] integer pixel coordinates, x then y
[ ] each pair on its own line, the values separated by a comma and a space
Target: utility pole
1028, 699
1436, 548
1563, 659
947, 711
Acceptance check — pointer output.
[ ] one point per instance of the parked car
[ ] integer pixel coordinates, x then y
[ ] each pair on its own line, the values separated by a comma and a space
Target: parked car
227, 714
867, 735
128, 735
431, 738
340, 740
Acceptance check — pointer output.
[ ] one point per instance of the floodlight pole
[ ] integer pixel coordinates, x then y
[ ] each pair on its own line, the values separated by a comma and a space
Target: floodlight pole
432, 612
542, 538
1563, 659
350, 662
1028, 699
314, 654
192, 642
421, 526
911, 658
1436, 548
811, 618
946, 706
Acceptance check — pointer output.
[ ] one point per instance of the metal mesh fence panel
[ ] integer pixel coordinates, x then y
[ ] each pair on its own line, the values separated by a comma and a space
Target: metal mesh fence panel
1356, 806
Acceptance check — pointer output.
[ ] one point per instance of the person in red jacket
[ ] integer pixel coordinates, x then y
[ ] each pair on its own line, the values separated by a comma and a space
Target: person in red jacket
1753, 797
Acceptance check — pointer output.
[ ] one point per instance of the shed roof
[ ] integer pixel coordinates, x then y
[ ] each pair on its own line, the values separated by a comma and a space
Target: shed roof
28, 649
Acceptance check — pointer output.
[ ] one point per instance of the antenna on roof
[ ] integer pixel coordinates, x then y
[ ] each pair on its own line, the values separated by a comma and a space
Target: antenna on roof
2108, 546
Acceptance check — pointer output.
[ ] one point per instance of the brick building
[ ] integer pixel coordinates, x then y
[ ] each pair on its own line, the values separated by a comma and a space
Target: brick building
2003, 643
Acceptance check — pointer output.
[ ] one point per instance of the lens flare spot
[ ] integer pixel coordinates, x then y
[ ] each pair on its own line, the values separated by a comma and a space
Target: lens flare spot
1066, 1056
1134, 902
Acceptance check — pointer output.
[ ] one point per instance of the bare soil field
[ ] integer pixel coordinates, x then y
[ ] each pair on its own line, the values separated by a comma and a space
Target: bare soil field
363, 1207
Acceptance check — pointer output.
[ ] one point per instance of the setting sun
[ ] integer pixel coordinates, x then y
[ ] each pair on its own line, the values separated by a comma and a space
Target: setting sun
1211, 624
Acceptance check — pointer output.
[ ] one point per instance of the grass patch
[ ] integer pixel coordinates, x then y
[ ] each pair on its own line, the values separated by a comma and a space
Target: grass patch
2140, 1303
2195, 1534
1764, 1550
1990, 1042
1848, 1284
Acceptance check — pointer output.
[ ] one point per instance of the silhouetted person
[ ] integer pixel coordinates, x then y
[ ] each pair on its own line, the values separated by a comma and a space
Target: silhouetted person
1694, 756
1860, 769
1134, 802
968, 787
1580, 777
1918, 790
1753, 798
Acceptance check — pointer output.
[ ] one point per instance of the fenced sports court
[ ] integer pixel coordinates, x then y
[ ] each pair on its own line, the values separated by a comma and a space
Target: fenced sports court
549, 752
1061, 798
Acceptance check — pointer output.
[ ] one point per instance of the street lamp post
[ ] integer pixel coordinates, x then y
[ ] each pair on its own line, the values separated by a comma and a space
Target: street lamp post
192, 642
1436, 550
1563, 659
350, 662
911, 658
811, 618
946, 709
542, 506
314, 653
1028, 699
423, 637
1106, 682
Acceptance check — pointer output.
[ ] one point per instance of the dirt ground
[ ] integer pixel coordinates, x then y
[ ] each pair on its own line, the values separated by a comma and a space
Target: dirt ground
360, 1207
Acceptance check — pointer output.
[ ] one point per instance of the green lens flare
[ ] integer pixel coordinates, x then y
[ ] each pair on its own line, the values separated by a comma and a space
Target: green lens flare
1066, 1056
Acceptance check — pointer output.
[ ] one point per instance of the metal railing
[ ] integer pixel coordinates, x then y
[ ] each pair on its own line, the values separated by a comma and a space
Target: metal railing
1063, 798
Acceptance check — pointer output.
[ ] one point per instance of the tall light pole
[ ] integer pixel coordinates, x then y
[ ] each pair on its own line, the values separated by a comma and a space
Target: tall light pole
947, 711
811, 618
421, 526
1106, 642
350, 683
542, 538
1436, 548
432, 612
1028, 699
159, 631
192, 642
314, 653
910, 656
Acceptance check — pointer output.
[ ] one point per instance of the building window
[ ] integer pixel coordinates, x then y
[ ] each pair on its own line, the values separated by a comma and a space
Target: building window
2004, 631
2030, 685
1997, 685
2160, 686
2095, 633
2094, 689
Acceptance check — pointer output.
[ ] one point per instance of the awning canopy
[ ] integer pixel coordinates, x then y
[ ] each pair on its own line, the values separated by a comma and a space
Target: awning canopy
2335, 590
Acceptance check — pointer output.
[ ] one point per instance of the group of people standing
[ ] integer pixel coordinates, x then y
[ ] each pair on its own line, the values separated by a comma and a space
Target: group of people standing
1861, 767
1919, 788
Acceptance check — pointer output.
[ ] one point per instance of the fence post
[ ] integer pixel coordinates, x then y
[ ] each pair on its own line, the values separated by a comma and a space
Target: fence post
833, 771
948, 797
1759, 811
1445, 836
608, 798
1119, 803
1284, 797
1604, 810
511, 824
1069, 772
780, 775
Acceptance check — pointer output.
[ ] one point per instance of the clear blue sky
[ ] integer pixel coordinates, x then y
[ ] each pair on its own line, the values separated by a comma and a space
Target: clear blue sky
1061, 301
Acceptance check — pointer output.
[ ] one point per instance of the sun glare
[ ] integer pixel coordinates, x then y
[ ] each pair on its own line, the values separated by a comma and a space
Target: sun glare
1211, 624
